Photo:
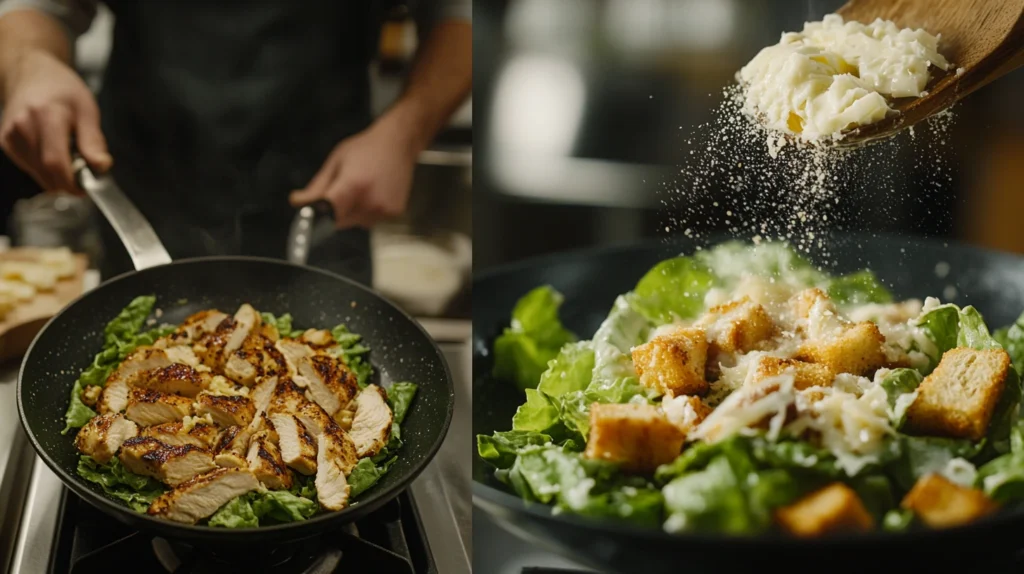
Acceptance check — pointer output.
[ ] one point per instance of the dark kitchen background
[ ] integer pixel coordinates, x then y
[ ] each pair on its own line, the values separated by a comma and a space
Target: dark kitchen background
422, 260
584, 109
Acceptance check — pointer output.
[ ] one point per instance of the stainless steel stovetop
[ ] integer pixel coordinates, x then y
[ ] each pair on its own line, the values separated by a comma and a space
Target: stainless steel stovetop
30, 494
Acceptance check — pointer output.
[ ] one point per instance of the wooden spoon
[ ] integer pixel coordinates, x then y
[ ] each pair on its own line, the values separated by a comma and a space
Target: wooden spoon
984, 39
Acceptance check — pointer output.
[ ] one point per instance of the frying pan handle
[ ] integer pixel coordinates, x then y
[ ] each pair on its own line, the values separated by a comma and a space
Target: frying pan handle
301, 233
136, 233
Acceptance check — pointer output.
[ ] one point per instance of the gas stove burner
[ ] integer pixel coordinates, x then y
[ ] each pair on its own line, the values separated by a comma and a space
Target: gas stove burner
389, 540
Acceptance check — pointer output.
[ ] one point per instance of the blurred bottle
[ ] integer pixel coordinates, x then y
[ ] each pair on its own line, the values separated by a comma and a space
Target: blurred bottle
56, 220
397, 41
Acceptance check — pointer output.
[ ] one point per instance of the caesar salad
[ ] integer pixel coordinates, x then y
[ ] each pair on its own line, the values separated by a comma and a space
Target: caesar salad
742, 390
233, 420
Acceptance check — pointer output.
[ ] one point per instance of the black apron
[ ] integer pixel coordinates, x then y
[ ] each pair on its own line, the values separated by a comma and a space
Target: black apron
215, 110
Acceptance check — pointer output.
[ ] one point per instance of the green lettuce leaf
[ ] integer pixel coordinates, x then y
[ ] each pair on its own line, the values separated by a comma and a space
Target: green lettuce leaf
875, 492
570, 371
282, 506
898, 520
713, 499
1012, 339
900, 387
400, 395
942, 326
582, 486
534, 337
732, 260
673, 289
614, 379
858, 288
916, 456
283, 324
352, 353
137, 491
502, 448
539, 413
237, 513
121, 336
1002, 478
364, 475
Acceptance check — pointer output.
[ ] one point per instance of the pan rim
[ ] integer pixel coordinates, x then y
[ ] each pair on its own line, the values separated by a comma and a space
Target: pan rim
487, 497
346, 515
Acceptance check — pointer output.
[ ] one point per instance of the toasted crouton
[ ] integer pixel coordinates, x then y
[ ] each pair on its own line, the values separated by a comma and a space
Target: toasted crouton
940, 503
686, 412
958, 398
736, 327
637, 436
835, 508
673, 363
805, 375
856, 349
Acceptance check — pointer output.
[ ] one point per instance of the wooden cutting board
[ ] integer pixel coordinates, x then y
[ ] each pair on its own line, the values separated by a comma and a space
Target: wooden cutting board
20, 326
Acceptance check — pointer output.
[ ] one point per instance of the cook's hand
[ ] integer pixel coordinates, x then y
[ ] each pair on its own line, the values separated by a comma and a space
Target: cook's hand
366, 178
46, 103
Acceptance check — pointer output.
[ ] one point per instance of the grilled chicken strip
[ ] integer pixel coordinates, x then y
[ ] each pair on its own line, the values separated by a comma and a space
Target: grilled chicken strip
329, 383
287, 397
294, 351
102, 436
318, 339
371, 425
261, 396
200, 497
335, 459
265, 461
115, 393
198, 325
201, 435
257, 358
298, 446
232, 447
226, 410
175, 378
170, 464
148, 407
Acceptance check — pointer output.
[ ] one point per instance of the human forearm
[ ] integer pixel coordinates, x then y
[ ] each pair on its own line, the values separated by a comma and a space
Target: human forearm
27, 31
441, 78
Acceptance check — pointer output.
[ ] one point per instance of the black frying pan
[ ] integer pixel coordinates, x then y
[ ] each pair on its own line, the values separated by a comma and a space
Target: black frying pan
400, 350
590, 280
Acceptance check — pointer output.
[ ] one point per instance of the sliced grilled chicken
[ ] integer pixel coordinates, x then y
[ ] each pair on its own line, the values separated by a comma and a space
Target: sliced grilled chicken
114, 397
185, 355
232, 447
177, 434
298, 446
148, 407
318, 339
102, 436
315, 418
177, 378
294, 351
287, 397
329, 383
198, 325
115, 393
171, 464
265, 461
226, 410
258, 357
335, 458
260, 396
371, 425
200, 497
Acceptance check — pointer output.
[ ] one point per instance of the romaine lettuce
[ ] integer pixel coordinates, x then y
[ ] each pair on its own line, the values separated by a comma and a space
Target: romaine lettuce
237, 513
900, 387
673, 289
137, 491
502, 448
1012, 339
535, 336
857, 288
570, 371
